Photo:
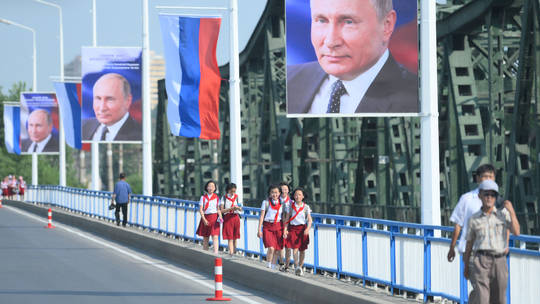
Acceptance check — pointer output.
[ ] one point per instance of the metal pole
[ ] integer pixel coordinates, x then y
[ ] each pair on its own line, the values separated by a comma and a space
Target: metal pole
234, 102
429, 142
34, 88
95, 145
147, 123
62, 138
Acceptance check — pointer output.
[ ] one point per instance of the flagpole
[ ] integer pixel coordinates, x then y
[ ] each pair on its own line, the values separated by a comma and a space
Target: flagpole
34, 87
429, 138
147, 124
234, 102
95, 145
61, 136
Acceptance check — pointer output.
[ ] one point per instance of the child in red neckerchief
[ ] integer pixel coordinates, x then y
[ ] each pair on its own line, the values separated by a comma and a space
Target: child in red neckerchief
296, 233
231, 208
285, 200
270, 227
209, 210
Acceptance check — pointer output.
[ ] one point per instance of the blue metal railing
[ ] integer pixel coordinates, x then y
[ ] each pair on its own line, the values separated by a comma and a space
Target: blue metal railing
403, 256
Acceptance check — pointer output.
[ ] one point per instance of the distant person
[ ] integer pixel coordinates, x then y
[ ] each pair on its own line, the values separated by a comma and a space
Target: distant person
112, 100
22, 186
210, 217
121, 194
285, 200
270, 226
487, 239
41, 138
468, 204
354, 71
296, 233
4, 186
231, 208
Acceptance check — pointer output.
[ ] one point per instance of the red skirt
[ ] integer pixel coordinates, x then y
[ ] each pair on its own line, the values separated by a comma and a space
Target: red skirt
21, 191
212, 228
5, 192
231, 226
296, 238
272, 235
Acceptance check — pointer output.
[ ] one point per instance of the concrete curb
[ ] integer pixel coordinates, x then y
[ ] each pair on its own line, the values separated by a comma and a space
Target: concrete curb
239, 270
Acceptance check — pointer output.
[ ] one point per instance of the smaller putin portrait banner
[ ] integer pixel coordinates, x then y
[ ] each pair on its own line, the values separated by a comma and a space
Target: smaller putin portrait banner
111, 94
348, 58
39, 123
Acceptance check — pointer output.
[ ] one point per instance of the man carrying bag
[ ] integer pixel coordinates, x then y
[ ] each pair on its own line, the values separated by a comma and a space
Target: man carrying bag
121, 193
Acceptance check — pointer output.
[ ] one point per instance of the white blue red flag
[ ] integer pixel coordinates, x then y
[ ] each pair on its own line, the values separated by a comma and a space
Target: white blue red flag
69, 100
12, 128
192, 76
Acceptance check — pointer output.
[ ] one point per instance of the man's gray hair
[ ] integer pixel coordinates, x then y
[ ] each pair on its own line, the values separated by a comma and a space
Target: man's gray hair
126, 87
47, 115
382, 7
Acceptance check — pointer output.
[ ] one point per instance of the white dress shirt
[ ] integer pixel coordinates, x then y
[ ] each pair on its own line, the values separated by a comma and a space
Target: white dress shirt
356, 89
113, 130
40, 145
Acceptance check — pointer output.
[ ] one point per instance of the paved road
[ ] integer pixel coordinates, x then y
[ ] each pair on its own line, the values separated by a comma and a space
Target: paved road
65, 265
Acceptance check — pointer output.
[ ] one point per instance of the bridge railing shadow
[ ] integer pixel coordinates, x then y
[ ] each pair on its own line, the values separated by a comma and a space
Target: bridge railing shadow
404, 257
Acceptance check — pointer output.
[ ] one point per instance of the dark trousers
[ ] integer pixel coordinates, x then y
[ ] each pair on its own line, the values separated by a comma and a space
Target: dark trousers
489, 278
124, 213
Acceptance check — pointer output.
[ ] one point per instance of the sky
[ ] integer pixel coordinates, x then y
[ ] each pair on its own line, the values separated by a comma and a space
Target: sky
119, 23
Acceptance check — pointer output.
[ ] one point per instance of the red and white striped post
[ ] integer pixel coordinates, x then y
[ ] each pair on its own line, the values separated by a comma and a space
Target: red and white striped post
49, 216
1, 202
219, 282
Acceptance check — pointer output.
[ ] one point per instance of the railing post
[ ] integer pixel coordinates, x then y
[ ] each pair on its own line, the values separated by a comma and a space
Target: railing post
393, 230
338, 246
427, 263
316, 221
510, 245
184, 235
463, 293
364, 251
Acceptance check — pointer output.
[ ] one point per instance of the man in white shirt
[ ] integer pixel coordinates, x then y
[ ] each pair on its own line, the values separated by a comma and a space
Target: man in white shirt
111, 103
468, 204
354, 71
41, 138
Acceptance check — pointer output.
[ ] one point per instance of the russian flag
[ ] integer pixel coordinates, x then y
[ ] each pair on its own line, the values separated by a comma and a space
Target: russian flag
69, 97
12, 128
192, 78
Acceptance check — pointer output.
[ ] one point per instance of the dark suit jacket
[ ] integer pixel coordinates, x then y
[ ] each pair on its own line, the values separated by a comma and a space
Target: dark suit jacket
130, 130
394, 90
51, 146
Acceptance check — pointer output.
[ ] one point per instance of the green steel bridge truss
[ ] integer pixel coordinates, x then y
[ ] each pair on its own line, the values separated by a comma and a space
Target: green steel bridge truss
489, 88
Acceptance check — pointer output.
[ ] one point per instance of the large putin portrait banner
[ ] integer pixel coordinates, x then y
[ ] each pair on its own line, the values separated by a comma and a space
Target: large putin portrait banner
111, 94
352, 58
39, 123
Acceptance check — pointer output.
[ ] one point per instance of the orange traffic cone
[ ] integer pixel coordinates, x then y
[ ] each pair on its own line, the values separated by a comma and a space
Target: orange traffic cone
49, 216
219, 283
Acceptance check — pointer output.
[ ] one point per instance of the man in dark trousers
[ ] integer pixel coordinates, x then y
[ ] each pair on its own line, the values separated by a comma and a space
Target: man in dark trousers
485, 254
122, 193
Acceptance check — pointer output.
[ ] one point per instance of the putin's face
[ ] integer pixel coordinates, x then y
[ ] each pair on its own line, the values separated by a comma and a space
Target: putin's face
347, 35
110, 104
38, 126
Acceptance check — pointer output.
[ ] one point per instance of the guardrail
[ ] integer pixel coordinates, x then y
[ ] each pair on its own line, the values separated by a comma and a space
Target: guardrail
403, 256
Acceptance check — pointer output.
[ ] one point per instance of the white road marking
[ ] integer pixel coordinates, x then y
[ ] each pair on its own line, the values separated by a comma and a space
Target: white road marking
140, 258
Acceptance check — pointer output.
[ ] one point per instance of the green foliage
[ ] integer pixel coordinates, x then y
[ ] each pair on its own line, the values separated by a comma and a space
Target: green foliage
12, 164
135, 181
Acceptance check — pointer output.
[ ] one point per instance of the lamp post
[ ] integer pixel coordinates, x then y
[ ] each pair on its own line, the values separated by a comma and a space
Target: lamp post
8, 22
34, 89
62, 139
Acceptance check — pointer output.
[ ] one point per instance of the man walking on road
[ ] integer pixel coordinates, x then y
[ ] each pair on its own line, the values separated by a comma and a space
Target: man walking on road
485, 254
468, 204
122, 193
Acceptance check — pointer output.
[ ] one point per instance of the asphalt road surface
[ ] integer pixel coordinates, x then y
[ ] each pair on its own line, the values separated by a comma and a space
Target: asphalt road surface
65, 265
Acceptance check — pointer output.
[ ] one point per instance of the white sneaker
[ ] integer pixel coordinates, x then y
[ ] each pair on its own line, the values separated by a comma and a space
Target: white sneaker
298, 271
